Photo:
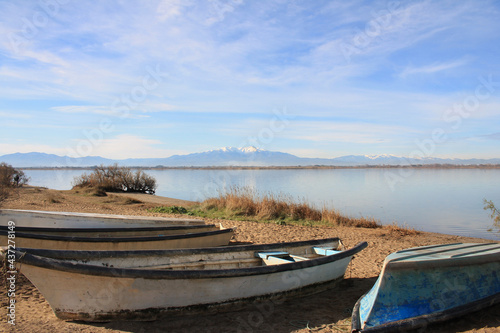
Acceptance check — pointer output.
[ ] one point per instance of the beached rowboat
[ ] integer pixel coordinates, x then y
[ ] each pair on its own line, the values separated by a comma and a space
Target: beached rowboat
142, 285
424, 285
50, 219
151, 242
125, 231
96, 225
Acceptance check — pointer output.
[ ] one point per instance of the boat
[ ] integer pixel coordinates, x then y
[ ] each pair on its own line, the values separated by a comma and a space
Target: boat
219, 237
52, 219
96, 225
124, 231
430, 284
101, 286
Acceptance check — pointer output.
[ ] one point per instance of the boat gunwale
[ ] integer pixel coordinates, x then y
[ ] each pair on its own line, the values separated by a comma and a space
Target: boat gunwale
119, 228
119, 239
86, 254
100, 216
25, 258
472, 258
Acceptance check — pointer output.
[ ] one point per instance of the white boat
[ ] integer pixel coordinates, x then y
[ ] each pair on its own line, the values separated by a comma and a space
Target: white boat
430, 284
150, 242
125, 231
51, 219
143, 285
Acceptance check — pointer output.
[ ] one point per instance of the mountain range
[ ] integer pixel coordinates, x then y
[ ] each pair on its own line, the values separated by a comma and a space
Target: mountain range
228, 156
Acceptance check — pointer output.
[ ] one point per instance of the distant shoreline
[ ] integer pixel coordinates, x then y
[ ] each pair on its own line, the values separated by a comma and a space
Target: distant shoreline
297, 167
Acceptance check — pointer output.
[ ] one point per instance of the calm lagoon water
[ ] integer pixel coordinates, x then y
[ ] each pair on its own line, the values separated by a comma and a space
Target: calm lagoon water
439, 200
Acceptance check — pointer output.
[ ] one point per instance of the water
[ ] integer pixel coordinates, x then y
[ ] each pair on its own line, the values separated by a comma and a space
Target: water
439, 200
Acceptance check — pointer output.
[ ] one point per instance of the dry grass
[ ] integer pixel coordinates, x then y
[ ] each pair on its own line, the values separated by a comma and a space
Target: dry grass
53, 197
246, 203
395, 229
4, 193
114, 199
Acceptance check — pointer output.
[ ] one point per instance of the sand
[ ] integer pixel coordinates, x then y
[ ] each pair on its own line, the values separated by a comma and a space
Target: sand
328, 311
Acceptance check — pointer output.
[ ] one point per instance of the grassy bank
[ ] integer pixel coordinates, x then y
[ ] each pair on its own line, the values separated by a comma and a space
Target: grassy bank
245, 204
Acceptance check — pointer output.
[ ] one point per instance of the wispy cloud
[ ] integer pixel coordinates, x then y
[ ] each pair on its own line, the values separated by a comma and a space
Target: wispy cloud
126, 146
171, 8
14, 115
432, 68
138, 111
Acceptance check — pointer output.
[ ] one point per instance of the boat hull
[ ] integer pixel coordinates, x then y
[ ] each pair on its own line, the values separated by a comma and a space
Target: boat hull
189, 240
426, 285
97, 293
125, 231
51, 219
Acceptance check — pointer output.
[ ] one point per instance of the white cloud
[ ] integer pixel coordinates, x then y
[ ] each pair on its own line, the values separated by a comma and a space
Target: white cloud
122, 147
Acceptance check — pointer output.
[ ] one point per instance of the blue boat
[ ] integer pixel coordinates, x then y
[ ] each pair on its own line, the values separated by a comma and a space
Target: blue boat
430, 284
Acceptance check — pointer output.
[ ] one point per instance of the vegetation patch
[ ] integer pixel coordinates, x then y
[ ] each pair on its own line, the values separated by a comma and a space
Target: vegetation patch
494, 214
170, 210
10, 178
53, 197
115, 199
116, 179
395, 229
245, 204
279, 209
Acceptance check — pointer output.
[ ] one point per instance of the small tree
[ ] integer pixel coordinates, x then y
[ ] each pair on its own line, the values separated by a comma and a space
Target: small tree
117, 179
10, 178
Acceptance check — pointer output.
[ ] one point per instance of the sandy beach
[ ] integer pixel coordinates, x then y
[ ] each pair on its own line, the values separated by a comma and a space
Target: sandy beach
328, 311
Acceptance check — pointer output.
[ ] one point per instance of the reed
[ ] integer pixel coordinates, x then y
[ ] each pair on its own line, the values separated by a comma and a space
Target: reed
398, 230
244, 202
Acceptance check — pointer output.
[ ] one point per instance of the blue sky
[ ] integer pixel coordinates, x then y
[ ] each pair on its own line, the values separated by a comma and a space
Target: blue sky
125, 79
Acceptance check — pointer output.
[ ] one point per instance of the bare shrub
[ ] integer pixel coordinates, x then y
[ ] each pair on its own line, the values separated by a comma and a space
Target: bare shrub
117, 179
10, 178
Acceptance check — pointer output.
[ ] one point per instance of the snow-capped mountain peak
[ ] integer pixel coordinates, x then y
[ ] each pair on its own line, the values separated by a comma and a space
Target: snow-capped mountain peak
249, 149
374, 157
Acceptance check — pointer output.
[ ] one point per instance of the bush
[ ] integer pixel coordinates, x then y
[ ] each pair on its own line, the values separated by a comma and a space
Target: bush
10, 178
117, 179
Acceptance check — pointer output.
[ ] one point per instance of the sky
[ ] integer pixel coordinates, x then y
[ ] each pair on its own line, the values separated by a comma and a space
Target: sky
154, 78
